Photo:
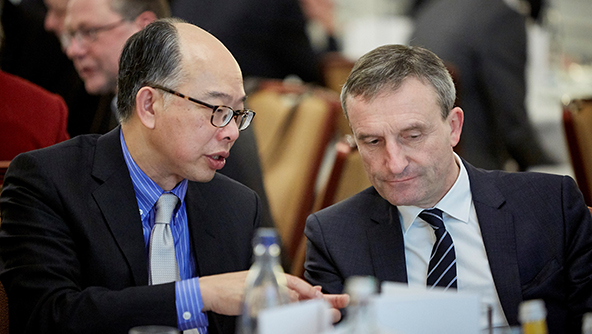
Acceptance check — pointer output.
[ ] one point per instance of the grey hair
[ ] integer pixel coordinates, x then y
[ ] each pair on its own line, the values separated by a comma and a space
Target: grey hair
130, 9
150, 56
387, 66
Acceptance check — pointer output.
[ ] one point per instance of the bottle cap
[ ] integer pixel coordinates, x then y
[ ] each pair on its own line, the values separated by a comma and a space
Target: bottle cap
266, 236
361, 287
532, 310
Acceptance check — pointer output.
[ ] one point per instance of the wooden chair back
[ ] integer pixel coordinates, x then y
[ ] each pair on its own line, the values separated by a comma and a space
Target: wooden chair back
577, 123
3, 167
335, 69
346, 178
294, 124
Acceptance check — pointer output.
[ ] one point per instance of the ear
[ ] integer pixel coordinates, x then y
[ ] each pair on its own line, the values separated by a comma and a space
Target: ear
145, 19
145, 106
455, 119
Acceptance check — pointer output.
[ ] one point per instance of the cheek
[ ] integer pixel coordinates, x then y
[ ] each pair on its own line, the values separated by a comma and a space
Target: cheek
373, 162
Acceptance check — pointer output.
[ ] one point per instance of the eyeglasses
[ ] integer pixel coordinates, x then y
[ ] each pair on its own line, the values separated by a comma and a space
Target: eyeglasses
221, 115
85, 36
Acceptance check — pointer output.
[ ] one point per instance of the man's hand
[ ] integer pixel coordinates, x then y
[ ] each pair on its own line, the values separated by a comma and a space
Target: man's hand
301, 290
224, 293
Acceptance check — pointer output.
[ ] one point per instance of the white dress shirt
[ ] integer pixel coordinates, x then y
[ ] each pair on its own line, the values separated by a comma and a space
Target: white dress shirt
460, 220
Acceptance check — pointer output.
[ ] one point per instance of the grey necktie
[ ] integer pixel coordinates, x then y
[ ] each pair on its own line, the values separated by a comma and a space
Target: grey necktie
163, 263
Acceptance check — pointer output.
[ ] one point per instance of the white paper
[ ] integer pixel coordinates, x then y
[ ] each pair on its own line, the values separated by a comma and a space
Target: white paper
310, 317
419, 311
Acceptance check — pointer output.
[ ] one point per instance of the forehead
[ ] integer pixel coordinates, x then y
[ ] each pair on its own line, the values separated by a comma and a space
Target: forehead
89, 12
411, 102
208, 64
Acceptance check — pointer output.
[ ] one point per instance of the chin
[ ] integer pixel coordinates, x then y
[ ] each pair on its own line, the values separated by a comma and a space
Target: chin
96, 88
203, 177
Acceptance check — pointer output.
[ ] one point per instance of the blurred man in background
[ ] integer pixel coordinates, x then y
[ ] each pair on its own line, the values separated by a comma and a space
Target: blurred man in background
483, 42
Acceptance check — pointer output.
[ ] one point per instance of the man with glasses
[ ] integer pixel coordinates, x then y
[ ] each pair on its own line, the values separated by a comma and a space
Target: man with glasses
94, 34
80, 219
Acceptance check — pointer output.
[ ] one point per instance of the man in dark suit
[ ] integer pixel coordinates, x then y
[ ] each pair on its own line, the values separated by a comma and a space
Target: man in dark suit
484, 41
78, 217
97, 30
509, 237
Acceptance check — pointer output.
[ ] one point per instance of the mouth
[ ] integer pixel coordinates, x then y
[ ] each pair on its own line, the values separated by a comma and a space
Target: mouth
399, 180
83, 70
217, 161
219, 156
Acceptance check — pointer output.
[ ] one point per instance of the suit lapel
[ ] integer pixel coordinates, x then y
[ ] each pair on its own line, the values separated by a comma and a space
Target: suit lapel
385, 238
116, 199
499, 238
200, 222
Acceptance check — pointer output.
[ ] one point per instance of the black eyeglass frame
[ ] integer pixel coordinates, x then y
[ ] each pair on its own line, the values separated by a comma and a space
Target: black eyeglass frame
246, 115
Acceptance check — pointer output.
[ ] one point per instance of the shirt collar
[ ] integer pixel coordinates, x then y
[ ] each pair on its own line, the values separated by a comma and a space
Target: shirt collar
147, 191
456, 203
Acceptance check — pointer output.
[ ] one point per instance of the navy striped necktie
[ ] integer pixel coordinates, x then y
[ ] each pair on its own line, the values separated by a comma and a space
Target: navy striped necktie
442, 266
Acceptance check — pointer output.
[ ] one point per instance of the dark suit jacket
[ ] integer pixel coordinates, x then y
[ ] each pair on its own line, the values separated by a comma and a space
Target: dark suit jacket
536, 229
267, 37
72, 253
485, 41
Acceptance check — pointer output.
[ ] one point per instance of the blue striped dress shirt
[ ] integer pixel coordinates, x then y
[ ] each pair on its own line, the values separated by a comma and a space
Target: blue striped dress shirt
187, 292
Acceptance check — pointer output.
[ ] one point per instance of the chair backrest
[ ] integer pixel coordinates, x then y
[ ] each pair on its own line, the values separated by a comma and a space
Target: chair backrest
3, 167
335, 69
293, 126
3, 311
346, 178
577, 122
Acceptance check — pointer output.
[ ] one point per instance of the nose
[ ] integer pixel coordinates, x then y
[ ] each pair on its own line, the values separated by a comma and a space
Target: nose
395, 158
50, 23
74, 48
229, 132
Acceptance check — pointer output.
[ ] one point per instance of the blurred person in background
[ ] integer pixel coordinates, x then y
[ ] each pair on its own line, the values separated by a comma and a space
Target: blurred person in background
30, 116
483, 42
322, 28
34, 54
267, 37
